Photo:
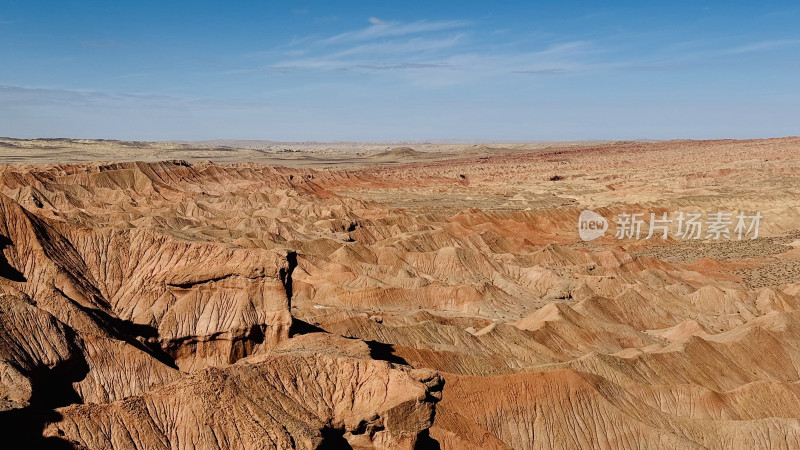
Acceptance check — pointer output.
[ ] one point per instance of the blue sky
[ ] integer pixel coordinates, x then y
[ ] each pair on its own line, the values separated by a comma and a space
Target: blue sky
380, 71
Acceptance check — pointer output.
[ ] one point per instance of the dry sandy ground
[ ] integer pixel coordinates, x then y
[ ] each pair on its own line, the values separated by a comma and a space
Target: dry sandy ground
271, 295
289, 154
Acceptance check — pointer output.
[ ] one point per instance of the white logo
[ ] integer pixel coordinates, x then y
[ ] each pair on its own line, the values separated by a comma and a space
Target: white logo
591, 225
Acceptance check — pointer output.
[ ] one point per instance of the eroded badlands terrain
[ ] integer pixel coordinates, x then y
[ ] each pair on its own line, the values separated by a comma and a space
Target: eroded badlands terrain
411, 297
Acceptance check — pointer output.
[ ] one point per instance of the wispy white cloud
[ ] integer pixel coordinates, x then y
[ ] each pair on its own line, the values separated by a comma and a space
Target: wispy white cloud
713, 54
403, 66
29, 96
389, 48
423, 52
98, 114
553, 71
450, 52
11, 95
764, 46
382, 29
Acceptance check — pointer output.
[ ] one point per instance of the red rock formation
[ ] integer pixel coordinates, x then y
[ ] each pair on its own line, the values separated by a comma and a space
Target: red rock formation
184, 305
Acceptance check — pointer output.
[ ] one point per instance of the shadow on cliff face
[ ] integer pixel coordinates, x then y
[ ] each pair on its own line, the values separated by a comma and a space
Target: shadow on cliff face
51, 389
6, 271
26, 425
426, 442
127, 331
302, 327
333, 439
377, 350
384, 352
285, 275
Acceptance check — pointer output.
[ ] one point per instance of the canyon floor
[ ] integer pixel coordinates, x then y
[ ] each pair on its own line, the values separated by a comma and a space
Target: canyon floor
240, 294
